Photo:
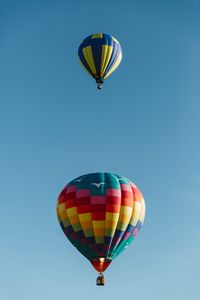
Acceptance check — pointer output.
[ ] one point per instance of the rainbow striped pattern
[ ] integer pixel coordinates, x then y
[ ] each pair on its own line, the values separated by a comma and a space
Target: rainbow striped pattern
101, 214
100, 54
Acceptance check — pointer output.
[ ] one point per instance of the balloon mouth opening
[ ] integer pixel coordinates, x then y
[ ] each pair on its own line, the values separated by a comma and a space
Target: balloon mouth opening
99, 82
100, 263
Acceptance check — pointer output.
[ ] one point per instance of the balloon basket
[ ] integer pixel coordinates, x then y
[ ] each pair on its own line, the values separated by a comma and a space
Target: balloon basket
100, 279
99, 82
99, 86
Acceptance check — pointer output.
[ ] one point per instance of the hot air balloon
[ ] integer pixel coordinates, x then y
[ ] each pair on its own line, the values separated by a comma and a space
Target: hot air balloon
100, 54
100, 214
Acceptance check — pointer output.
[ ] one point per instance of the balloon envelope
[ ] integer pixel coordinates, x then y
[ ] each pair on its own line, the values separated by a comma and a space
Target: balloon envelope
101, 214
100, 54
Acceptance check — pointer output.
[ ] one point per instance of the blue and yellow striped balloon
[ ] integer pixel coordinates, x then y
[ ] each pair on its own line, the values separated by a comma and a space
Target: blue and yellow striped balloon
100, 54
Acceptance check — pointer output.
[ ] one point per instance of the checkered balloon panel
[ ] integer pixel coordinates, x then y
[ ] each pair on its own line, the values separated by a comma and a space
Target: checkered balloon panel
101, 214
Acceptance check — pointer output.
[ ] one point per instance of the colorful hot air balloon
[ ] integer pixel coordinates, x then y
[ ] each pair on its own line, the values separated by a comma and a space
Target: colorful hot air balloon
101, 214
100, 54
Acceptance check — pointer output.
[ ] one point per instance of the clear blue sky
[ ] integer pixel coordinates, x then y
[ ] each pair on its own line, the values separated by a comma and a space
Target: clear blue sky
55, 125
